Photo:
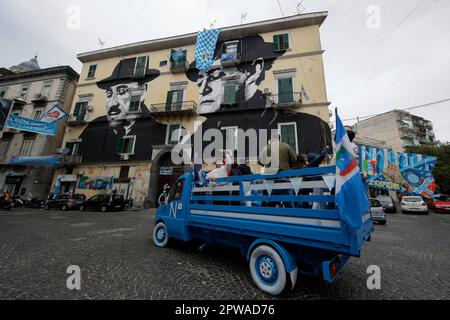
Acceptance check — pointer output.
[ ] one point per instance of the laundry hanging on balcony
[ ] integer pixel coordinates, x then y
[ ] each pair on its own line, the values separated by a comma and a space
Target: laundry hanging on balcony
205, 47
45, 161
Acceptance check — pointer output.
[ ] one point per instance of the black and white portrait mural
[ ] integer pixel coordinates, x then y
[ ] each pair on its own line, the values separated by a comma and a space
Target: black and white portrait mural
256, 59
127, 125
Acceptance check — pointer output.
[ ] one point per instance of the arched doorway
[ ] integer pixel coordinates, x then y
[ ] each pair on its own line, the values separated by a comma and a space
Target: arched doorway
163, 171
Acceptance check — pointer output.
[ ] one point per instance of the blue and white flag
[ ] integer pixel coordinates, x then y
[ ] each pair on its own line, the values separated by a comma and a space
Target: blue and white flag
205, 47
351, 195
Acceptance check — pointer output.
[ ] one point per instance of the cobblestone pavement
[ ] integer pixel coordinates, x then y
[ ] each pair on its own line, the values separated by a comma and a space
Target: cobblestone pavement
118, 261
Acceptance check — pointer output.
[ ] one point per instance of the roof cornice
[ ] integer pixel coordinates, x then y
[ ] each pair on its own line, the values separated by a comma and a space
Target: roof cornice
238, 31
39, 73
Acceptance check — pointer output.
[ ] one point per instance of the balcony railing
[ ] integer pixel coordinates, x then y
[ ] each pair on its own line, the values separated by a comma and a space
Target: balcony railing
72, 160
179, 66
77, 121
287, 100
184, 107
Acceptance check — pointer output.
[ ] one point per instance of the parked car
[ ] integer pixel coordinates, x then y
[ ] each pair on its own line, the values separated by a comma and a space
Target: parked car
66, 202
387, 203
440, 203
33, 203
377, 211
413, 204
103, 203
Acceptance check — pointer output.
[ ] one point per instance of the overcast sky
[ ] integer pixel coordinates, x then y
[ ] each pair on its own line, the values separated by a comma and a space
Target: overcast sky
379, 55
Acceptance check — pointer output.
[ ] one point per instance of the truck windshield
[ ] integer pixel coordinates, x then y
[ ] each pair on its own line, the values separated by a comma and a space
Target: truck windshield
177, 191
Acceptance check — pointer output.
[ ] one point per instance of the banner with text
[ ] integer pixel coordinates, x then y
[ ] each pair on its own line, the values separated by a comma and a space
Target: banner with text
30, 125
400, 172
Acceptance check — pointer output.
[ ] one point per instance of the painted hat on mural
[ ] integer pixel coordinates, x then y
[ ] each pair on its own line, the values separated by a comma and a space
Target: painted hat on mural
253, 48
124, 73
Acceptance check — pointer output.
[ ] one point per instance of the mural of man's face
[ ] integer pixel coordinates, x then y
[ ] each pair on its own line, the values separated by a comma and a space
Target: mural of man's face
118, 98
211, 85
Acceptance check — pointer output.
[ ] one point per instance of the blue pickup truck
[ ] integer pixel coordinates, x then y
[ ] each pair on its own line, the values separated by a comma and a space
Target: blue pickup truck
281, 223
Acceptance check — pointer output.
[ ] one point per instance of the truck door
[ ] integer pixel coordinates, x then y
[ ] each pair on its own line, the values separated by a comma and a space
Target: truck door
176, 224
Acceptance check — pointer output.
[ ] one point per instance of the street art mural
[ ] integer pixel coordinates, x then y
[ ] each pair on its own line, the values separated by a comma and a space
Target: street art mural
400, 172
95, 183
244, 78
126, 116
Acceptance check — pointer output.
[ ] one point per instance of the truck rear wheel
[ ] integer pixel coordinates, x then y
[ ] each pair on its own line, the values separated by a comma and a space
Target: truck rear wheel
160, 235
268, 270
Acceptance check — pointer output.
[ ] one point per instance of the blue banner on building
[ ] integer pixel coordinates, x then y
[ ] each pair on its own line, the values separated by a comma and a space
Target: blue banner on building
205, 47
30, 125
401, 172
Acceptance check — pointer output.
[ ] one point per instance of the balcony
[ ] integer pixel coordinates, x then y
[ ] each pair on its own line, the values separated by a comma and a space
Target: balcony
230, 59
176, 108
72, 160
77, 120
39, 98
179, 66
287, 100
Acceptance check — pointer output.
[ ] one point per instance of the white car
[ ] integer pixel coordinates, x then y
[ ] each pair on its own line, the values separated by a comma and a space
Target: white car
413, 204
377, 212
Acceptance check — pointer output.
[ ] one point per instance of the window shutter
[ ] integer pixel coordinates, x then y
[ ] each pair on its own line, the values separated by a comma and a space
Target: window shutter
276, 46
285, 93
120, 145
285, 41
179, 99
169, 100
229, 95
77, 109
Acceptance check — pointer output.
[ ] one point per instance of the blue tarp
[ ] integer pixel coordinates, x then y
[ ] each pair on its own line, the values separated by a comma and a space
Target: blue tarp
47, 161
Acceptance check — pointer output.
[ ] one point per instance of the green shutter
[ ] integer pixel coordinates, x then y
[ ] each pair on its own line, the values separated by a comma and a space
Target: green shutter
92, 70
169, 101
179, 99
172, 129
77, 109
276, 46
288, 136
120, 147
285, 93
229, 95
285, 41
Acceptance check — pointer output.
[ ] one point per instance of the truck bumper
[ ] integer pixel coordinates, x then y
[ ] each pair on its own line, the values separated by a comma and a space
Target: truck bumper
332, 268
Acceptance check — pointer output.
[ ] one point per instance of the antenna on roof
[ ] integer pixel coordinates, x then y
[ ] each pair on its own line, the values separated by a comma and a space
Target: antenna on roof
36, 55
300, 7
101, 42
243, 17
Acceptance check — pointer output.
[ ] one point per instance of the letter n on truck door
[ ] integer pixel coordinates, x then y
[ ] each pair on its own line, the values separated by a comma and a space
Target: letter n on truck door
177, 213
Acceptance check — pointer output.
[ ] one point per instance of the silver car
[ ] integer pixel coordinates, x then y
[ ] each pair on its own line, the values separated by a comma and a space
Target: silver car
377, 212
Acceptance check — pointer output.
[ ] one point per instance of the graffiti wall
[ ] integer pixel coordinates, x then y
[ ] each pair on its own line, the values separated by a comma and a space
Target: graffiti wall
401, 172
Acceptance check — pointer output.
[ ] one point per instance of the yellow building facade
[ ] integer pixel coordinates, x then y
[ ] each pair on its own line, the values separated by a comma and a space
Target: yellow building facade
131, 99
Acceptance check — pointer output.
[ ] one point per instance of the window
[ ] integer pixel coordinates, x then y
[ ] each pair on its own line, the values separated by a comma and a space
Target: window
46, 88
124, 172
285, 90
26, 147
174, 100
75, 147
173, 136
229, 135
2, 92
163, 63
178, 59
281, 42
16, 113
176, 193
141, 65
38, 114
135, 103
91, 72
288, 133
79, 112
24, 92
125, 145
230, 94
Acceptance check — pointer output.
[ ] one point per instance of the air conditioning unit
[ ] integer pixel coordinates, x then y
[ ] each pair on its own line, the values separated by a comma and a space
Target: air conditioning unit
124, 157
267, 91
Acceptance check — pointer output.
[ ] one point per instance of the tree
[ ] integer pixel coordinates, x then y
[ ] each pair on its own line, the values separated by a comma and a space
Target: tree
442, 171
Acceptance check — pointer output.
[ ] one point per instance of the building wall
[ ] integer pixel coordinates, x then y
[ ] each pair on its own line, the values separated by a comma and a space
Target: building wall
38, 180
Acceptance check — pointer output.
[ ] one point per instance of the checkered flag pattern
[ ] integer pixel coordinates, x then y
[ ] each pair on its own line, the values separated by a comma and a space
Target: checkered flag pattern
205, 47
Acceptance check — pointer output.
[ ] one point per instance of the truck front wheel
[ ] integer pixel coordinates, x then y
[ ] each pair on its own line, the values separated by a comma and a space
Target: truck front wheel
268, 270
160, 235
